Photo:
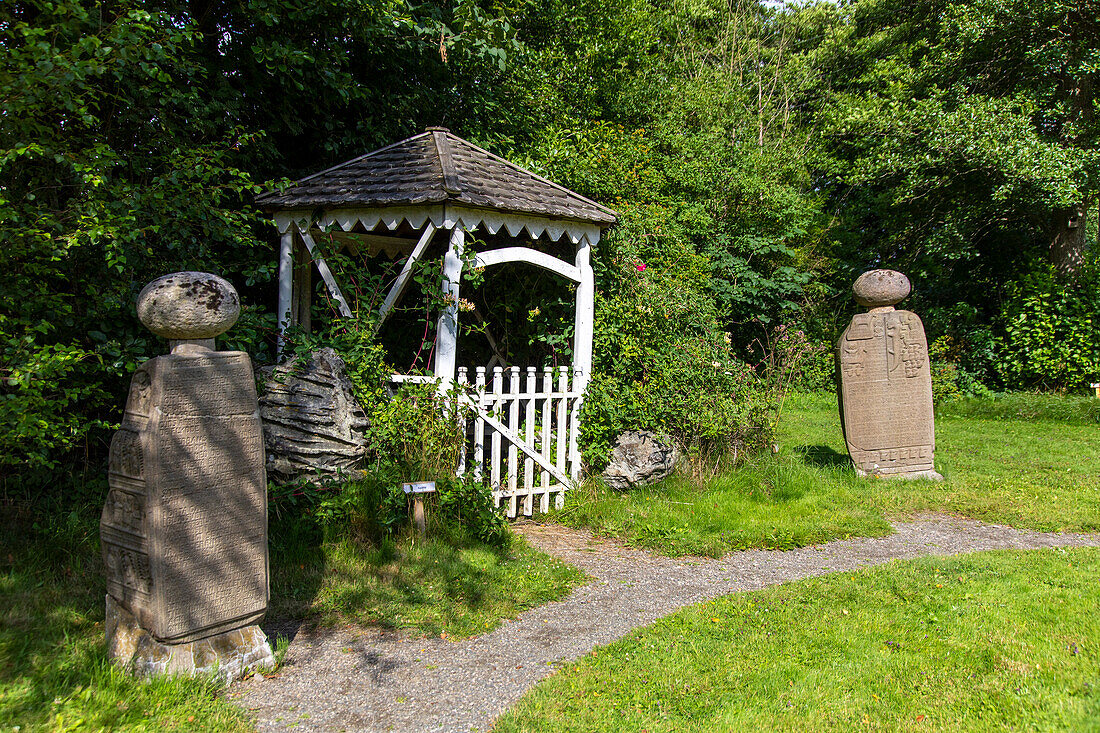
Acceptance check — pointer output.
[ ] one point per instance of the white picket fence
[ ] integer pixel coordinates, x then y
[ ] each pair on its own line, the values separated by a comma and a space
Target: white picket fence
521, 433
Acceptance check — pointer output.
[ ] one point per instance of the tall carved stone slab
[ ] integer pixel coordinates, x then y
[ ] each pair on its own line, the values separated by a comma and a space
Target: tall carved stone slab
184, 527
885, 383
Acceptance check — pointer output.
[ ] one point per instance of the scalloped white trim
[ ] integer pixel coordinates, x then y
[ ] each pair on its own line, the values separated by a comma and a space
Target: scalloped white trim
445, 217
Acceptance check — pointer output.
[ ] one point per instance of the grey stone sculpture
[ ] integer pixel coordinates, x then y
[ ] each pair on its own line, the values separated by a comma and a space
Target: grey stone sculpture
184, 527
312, 421
640, 458
885, 383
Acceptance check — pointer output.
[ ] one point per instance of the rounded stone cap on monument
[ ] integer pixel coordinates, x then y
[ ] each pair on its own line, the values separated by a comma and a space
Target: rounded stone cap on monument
189, 305
879, 288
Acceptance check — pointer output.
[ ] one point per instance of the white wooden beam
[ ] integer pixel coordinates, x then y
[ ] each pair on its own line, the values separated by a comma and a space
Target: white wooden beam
326, 275
286, 286
403, 277
531, 257
446, 334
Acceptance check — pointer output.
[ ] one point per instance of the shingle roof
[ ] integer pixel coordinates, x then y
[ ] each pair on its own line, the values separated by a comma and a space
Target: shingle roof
431, 168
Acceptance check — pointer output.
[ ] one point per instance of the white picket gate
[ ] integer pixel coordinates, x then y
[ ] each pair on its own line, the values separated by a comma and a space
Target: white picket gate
521, 433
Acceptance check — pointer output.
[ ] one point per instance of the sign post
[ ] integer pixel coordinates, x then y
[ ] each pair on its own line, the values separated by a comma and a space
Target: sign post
417, 490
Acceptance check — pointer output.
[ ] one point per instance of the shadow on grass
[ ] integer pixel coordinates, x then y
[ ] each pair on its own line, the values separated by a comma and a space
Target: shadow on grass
822, 456
54, 671
298, 565
454, 585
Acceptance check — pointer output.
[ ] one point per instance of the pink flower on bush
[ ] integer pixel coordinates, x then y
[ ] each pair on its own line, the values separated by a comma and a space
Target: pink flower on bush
640, 267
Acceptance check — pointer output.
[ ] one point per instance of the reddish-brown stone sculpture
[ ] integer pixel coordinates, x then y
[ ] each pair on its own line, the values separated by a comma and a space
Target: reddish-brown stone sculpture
885, 383
184, 528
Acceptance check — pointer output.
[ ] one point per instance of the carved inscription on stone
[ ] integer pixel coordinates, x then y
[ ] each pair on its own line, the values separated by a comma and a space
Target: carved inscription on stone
125, 511
138, 401
126, 458
128, 568
184, 528
886, 390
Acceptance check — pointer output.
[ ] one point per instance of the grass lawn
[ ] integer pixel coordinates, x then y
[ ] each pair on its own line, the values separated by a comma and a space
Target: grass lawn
1006, 640
54, 674
429, 586
1029, 461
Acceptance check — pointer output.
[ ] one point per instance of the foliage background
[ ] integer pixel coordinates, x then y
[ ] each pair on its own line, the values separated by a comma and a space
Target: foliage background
760, 157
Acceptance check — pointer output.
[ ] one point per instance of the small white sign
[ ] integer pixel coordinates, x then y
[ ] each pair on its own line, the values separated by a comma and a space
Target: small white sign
420, 487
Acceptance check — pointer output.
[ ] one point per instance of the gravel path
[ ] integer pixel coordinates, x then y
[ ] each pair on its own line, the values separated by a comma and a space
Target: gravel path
371, 680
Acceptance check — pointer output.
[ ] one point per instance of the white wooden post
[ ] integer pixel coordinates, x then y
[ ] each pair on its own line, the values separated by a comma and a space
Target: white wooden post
286, 285
513, 428
582, 347
585, 315
563, 407
462, 382
529, 439
574, 429
547, 434
446, 334
494, 463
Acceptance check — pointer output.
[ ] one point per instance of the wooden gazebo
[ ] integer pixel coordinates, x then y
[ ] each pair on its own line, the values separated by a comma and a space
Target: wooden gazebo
396, 200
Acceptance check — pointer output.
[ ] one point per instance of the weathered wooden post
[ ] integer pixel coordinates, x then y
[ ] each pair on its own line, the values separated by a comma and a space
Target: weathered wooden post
416, 492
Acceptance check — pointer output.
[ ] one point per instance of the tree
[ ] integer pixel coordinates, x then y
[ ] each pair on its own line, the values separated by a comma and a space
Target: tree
132, 138
956, 122
959, 143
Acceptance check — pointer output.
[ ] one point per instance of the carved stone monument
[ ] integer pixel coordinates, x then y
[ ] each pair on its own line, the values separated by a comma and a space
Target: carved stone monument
885, 383
184, 528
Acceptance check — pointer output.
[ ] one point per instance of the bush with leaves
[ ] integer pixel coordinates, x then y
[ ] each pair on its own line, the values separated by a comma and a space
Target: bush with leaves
662, 360
1052, 332
134, 135
414, 435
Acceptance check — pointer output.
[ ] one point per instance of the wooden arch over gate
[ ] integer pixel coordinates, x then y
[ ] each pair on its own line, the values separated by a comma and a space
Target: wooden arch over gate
437, 184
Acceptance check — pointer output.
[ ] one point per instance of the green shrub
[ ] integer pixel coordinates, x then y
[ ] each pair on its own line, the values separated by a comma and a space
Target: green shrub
662, 360
818, 372
463, 509
1052, 333
413, 436
43, 388
945, 373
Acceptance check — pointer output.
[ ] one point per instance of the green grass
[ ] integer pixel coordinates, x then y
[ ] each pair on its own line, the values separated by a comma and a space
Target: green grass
54, 673
1037, 472
1073, 409
1034, 472
429, 586
774, 504
986, 642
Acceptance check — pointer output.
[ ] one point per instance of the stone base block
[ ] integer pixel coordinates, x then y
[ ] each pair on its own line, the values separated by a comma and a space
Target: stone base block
228, 655
927, 474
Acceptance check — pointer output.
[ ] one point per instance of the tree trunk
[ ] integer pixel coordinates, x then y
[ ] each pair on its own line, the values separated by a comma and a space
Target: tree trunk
1068, 246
